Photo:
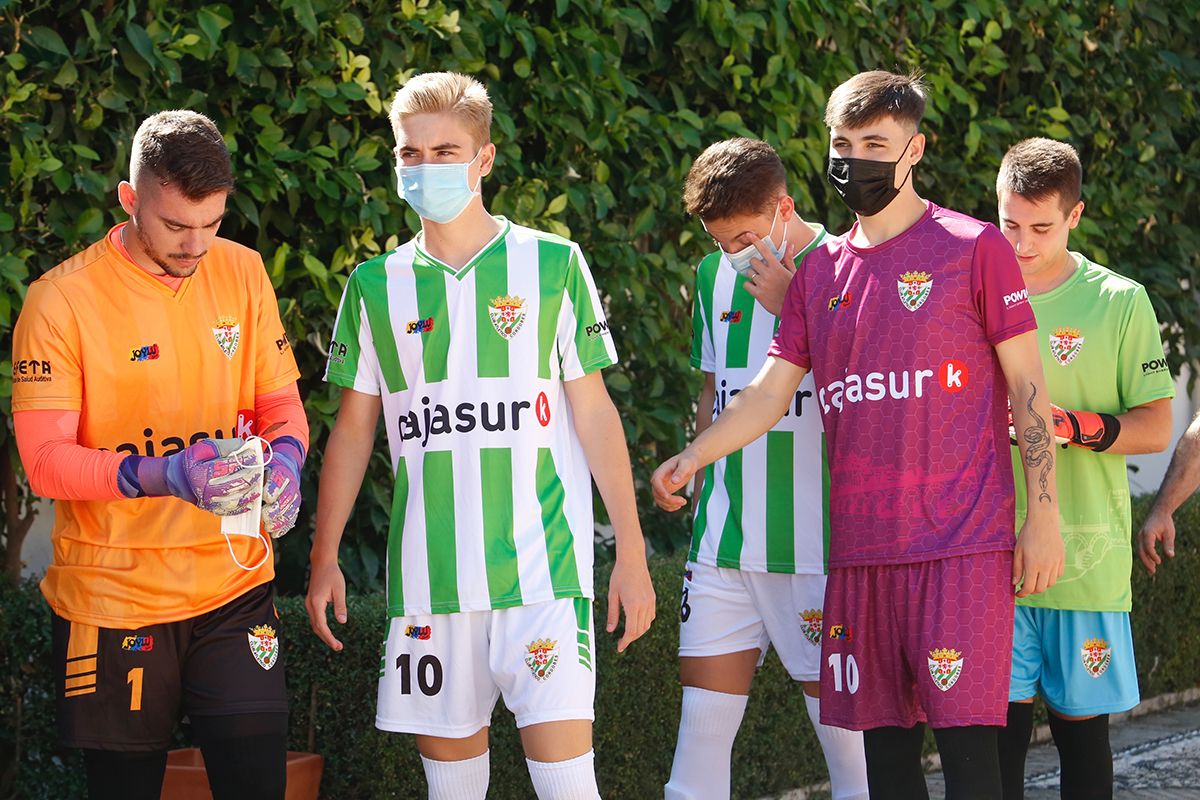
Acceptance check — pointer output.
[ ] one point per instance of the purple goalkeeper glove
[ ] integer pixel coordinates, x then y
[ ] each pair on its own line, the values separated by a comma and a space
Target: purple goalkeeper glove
206, 475
281, 498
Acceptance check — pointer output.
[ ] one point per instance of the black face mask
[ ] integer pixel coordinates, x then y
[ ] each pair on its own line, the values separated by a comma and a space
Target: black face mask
866, 186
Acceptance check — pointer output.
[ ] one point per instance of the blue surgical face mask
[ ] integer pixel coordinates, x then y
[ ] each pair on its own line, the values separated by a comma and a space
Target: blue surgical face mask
437, 192
740, 260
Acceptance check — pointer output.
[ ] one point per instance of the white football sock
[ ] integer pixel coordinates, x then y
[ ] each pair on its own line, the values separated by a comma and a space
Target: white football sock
573, 779
707, 728
843, 756
458, 780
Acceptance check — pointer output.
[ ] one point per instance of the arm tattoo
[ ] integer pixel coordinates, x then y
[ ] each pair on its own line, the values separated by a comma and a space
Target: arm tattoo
1038, 453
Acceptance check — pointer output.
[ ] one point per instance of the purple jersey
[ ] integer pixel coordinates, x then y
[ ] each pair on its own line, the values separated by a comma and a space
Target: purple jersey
900, 339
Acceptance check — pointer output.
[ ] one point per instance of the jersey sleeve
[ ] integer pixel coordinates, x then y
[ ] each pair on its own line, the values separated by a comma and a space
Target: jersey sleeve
704, 356
351, 362
585, 343
1142, 372
998, 289
47, 370
791, 340
274, 361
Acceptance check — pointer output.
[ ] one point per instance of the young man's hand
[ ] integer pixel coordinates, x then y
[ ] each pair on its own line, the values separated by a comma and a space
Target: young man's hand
769, 278
630, 587
1039, 557
1158, 527
671, 476
326, 585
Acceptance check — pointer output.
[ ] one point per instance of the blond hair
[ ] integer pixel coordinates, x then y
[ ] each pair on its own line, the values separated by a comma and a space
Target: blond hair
446, 93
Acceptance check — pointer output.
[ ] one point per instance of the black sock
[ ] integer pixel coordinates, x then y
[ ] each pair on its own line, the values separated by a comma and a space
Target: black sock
1086, 757
245, 754
970, 762
1014, 745
894, 762
124, 775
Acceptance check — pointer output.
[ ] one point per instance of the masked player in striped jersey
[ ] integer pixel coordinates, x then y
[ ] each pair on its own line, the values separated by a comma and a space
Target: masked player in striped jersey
482, 341
756, 569
1107, 376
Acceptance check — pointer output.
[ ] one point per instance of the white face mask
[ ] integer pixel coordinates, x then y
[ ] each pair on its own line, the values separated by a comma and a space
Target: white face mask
437, 192
249, 523
740, 260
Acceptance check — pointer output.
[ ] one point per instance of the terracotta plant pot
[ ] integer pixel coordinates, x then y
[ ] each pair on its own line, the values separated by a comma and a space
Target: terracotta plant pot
187, 780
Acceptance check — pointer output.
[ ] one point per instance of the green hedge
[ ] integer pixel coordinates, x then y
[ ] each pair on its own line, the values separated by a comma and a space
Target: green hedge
600, 109
637, 704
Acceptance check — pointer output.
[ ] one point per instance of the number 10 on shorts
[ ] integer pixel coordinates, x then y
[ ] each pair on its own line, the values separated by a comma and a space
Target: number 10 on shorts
850, 682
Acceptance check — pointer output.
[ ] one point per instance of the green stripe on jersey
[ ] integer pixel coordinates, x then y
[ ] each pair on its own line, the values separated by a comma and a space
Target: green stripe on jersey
372, 285
590, 349
431, 302
491, 283
737, 345
729, 551
701, 520
553, 262
395, 546
440, 544
781, 501
706, 276
560, 544
500, 548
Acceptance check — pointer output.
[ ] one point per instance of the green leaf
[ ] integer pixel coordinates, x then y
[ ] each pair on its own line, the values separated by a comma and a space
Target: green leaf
47, 39
85, 152
67, 74
212, 24
6, 222
521, 67
50, 164
303, 11
140, 40
315, 267
557, 205
1058, 113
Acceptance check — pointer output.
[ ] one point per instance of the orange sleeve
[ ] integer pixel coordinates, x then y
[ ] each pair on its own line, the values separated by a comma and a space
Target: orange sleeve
274, 362
59, 467
46, 367
282, 406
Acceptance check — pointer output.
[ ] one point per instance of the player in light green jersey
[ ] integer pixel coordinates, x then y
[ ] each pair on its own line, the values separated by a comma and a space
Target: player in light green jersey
1111, 390
481, 341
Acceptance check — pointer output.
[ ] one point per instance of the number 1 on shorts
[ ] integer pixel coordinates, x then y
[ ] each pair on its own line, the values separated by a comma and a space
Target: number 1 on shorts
134, 679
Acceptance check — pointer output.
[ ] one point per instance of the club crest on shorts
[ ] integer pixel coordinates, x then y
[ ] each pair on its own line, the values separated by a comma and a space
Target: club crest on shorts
1096, 655
945, 665
508, 315
812, 625
914, 288
228, 334
1065, 344
542, 657
264, 645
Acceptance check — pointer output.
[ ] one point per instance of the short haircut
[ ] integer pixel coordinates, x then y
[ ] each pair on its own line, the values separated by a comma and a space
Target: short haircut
181, 149
870, 96
1039, 168
446, 93
732, 178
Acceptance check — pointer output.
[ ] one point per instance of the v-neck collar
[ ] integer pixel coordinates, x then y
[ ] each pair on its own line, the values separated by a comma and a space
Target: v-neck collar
483, 253
141, 275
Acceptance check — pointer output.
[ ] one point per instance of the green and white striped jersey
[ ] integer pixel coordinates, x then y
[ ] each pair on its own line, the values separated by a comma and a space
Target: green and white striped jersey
492, 506
762, 508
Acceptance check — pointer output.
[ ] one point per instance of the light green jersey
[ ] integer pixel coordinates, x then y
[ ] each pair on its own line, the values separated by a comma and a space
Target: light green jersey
761, 508
1101, 352
492, 506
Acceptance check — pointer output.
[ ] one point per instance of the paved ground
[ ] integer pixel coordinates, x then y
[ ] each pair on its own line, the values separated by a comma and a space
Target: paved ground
1155, 757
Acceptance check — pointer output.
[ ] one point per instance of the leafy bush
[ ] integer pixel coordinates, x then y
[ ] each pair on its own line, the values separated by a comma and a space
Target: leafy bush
600, 109
637, 701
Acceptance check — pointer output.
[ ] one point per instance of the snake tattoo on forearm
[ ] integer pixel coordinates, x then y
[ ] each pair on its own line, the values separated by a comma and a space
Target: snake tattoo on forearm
1038, 453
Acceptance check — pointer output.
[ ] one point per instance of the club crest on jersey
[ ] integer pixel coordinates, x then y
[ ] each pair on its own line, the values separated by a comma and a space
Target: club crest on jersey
1065, 344
914, 288
812, 625
1096, 655
508, 315
541, 657
945, 666
264, 645
228, 334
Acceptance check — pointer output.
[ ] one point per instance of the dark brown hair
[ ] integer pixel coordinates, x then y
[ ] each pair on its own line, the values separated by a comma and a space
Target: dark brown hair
869, 96
734, 177
183, 149
1038, 169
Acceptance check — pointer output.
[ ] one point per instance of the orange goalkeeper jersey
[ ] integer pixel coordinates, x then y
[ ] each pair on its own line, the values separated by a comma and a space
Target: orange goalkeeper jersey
151, 370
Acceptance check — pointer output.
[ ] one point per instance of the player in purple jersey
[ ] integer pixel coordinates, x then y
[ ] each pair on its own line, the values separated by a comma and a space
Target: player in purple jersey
917, 328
